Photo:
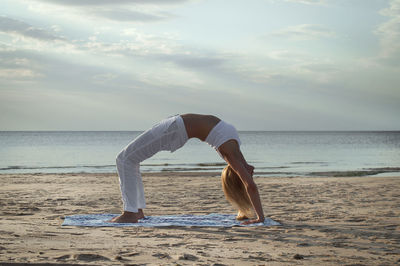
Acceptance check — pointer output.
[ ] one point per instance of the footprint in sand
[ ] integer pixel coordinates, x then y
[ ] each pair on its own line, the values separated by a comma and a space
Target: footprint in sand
83, 257
63, 257
162, 255
188, 257
89, 257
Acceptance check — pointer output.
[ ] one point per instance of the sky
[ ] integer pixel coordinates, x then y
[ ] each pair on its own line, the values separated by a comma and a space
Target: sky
258, 64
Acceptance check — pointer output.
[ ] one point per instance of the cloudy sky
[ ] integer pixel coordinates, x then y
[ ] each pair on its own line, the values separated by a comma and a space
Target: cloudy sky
259, 64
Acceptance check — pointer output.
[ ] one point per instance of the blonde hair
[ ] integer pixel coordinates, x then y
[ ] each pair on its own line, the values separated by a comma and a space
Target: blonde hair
235, 192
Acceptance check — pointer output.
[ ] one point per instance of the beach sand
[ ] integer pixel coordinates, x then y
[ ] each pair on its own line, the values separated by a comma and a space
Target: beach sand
325, 221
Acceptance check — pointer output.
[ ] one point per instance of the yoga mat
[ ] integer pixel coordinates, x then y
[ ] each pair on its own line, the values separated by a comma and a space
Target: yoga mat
209, 220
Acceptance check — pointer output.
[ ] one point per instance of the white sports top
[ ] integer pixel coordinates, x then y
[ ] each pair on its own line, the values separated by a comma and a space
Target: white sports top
221, 133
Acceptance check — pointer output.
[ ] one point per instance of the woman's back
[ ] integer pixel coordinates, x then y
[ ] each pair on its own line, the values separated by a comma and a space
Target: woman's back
198, 126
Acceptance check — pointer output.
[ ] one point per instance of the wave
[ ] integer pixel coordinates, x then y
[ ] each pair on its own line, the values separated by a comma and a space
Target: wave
190, 169
158, 166
308, 162
19, 167
188, 164
278, 171
272, 167
363, 172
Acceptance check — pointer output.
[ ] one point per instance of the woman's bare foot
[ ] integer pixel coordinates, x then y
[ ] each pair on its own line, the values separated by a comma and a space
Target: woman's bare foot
140, 214
127, 217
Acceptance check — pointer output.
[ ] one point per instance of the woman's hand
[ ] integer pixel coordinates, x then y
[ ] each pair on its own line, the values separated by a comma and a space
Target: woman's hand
254, 221
250, 169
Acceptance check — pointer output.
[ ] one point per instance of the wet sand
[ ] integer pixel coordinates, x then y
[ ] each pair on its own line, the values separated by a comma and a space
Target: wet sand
325, 221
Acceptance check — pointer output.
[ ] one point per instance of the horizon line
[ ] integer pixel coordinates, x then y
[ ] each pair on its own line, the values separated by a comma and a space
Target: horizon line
239, 130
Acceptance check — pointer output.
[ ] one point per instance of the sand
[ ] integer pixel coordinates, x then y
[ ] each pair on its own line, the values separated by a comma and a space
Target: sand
325, 221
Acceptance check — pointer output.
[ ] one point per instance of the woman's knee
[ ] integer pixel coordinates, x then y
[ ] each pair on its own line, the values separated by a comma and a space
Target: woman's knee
127, 160
120, 157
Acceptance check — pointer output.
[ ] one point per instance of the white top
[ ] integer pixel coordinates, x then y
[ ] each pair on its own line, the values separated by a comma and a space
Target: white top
221, 133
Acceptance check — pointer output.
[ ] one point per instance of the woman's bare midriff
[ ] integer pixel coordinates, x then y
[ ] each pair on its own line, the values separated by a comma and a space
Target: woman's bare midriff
199, 126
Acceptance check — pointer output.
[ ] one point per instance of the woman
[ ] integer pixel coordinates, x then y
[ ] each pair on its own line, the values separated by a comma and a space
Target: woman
171, 134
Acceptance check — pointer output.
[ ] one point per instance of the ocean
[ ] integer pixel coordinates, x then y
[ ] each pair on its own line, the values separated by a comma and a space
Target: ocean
273, 153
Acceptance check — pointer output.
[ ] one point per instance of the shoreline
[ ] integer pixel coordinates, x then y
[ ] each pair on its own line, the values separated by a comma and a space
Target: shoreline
364, 172
325, 220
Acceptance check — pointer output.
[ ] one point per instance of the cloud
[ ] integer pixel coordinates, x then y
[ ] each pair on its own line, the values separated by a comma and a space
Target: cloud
389, 33
17, 74
303, 32
191, 61
304, 2
17, 66
10, 25
110, 2
118, 10
307, 2
119, 14
162, 48
160, 51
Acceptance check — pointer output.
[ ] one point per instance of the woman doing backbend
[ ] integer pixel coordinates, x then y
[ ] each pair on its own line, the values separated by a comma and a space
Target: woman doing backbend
171, 134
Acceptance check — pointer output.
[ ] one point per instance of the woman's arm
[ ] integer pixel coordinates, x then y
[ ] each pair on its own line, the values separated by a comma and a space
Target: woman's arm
250, 186
230, 150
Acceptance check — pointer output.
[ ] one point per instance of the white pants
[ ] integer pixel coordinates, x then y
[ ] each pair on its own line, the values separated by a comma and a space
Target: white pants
168, 135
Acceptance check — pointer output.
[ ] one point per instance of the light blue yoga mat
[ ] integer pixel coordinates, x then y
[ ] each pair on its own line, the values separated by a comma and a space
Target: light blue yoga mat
209, 220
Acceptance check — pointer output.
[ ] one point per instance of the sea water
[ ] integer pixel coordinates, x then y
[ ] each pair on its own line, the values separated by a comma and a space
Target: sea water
272, 153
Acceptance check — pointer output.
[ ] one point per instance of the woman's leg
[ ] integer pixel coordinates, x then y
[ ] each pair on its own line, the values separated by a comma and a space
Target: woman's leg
141, 202
129, 175
143, 147
130, 181
128, 166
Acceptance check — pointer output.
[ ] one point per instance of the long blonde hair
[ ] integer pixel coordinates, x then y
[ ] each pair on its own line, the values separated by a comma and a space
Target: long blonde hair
235, 191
